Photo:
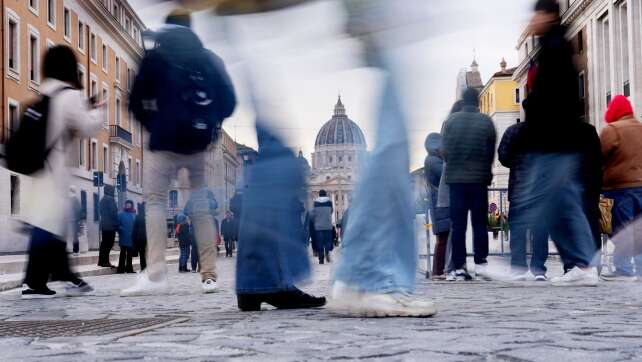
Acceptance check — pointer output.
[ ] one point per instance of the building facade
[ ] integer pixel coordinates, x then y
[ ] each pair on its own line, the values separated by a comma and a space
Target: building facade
106, 36
469, 78
501, 101
339, 151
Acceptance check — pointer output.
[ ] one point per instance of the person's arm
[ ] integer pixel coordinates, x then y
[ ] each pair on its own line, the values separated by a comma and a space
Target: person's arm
226, 96
492, 140
81, 120
144, 89
505, 149
446, 140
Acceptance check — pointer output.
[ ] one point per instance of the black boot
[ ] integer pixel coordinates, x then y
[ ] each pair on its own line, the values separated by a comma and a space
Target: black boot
290, 299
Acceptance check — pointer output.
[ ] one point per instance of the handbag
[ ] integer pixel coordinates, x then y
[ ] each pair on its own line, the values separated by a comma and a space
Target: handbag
606, 215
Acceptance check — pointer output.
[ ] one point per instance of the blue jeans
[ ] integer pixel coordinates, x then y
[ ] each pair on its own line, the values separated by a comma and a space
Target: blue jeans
550, 198
272, 255
518, 246
473, 198
194, 256
323, 242
184, 255
627, 207
379, 252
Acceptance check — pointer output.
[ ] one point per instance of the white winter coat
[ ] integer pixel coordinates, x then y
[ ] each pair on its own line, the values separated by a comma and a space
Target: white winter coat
47, 200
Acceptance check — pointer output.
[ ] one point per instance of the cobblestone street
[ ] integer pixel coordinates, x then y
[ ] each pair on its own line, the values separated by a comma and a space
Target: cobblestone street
477, 321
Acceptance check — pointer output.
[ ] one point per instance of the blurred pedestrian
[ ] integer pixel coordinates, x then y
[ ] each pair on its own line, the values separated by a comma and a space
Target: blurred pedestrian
184, 235
555, 143
181, 95
439, 216
228, 231
139, 237
68, 114
512, 157
126, 219
322, 220
469, 139
76, 219
622, 163
108, 226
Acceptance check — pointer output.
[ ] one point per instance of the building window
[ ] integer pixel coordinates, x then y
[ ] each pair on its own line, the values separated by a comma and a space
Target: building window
627, 89
51, 13
582, 86
34, 6
138, 178
517, 96
106, 160
624, 47
15, 195
117, 69
93, 86
34, 56
81, 36
117, 110
66, 18
92, 47
139, 133
93, 155
50, 44
13, 44
81, 153
173, 199
82, 75
104, 98
518, 120
580, 41
14, 115
129, 169
105, 58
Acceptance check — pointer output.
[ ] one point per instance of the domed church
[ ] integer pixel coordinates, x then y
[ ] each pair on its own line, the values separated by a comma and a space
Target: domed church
339, 151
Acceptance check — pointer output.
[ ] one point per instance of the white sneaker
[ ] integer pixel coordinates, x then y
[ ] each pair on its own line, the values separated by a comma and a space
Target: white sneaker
618, 277
343, 299
451, 277
350, 302
210, 286
145, 286
577, 277
523, 277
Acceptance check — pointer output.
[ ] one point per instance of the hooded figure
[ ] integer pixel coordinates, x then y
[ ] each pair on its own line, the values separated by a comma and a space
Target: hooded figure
439, 216
108, 226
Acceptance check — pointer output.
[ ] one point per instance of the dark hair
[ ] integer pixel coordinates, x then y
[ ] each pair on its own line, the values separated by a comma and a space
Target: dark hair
129, 202
548, 6
322, 193
179, 16
457, 107
60, 63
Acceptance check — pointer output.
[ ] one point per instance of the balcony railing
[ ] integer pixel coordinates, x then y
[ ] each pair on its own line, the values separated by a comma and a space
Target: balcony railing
119, 133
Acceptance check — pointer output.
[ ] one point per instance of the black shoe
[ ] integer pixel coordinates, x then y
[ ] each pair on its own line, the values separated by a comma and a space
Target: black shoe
106, 265
120, 272
79, 288
291, 299
327, 256
44, 293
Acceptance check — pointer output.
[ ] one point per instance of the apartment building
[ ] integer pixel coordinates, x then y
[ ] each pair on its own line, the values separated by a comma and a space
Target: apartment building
107, 38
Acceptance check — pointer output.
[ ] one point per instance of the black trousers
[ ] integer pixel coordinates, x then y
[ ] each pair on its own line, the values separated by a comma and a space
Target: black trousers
107, 243
229, 247
47, 259
143, 258
125, 260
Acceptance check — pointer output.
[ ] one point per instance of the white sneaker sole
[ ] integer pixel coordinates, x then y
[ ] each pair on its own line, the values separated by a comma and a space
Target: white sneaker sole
37, 296
211, 290
576, 284
381, 311
144, 293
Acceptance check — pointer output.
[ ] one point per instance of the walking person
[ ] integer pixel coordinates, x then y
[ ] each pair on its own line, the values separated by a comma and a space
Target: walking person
184, 236
512, 157
76, 219
469, 140
622, 164
108, 226
439, 216
181, 95
228, 230
126, 219
554, 141
68, 114
322, 220
139, 237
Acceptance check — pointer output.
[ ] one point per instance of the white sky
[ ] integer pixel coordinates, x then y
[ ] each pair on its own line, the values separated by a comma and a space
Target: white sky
300, 60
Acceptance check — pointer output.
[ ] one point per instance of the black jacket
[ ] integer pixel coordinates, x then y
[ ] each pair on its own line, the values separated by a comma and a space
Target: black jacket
108, 211
511, 157
139, 233
228, 229
469, 139
553, 108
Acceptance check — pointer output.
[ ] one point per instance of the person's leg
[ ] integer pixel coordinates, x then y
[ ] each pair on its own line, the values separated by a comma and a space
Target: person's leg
106, 245
517, 243
183, 256
194, 256
440, 253
320, 247
76, 244
129, 266
459, 217
540, 251
60, 269
448, 262
38, 264
622, 238
143, 258
122, 260
159, 169
202, 218
329, 244
478, 201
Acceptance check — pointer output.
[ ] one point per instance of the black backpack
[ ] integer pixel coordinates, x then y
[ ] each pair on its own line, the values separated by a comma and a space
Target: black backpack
27, 150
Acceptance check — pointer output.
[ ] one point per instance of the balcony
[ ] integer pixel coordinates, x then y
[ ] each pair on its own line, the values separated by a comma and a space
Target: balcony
118, 134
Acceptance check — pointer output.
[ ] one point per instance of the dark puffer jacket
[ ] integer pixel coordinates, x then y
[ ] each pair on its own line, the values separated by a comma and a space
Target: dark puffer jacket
433, 166
469, 139
511, 157
108, 211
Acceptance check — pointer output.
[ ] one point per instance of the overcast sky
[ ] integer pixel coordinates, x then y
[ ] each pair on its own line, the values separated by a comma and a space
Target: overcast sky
300, 60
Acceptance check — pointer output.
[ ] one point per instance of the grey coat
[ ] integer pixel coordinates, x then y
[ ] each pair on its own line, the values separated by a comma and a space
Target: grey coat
469, 147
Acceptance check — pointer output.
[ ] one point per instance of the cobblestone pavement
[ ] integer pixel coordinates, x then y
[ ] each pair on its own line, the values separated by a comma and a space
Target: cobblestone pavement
477, 321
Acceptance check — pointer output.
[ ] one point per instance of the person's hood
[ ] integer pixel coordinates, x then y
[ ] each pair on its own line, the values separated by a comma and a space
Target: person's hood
433, 144
470, 98
322, 199
109, 190
179, 42
181, 218
619, 108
